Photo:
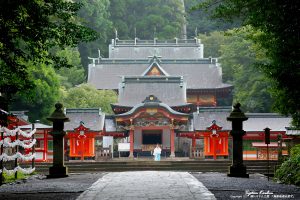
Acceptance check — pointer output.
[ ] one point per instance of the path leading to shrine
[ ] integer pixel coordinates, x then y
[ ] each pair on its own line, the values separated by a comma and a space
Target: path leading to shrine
147, 185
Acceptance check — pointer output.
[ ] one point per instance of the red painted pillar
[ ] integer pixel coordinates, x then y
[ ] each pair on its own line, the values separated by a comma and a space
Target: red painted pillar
131, 137
172, 143
82, 148
45, 147
214, 146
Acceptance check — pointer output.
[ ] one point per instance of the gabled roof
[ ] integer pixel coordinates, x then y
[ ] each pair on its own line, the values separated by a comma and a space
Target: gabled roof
198, 74
151, 101
133, 90
92, 118
153, 68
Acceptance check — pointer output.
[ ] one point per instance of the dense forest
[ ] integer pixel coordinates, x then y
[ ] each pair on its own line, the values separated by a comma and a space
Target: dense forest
233, 42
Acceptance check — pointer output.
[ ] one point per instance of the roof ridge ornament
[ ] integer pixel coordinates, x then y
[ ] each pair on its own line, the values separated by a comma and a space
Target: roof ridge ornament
151, 99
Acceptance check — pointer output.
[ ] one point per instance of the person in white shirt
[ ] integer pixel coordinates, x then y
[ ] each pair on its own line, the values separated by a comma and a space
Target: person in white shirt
157, 152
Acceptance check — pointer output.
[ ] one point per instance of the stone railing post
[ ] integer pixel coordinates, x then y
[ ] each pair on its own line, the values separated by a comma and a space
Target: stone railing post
58, 170
237, 169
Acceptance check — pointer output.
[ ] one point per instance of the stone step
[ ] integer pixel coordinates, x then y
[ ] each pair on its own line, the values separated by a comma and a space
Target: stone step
187, 165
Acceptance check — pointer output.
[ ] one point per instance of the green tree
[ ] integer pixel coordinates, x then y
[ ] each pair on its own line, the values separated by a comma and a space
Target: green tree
200, 21
212, 43
70, 77
148, 19
87, 96
28, 29
40, 99
95, 15
280, 37
238, 56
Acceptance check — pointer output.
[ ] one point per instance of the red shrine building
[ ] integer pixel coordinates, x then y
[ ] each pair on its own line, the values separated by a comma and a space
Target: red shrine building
168, 94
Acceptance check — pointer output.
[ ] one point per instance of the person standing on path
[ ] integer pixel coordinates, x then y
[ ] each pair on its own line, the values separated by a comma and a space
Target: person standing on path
157, 152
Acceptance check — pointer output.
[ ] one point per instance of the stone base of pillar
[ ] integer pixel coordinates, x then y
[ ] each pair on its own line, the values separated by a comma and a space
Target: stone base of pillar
238, 171
58, 172
172, 155
131, 155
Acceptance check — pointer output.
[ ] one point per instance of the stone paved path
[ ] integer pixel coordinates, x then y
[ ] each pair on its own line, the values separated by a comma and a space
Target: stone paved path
147, 185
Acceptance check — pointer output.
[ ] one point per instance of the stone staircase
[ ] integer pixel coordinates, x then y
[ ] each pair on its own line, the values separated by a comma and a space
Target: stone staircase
164, 165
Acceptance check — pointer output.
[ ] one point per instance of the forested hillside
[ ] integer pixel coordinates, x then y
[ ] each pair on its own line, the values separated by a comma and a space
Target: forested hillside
146, 20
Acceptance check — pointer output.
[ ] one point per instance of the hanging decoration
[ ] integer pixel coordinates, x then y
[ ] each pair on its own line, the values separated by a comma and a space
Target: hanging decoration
18, 169
18, 155
6, 142
26, 144
8, 132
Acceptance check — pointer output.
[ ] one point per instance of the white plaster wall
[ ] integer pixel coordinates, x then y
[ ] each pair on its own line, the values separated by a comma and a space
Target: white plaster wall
137, 138
166, 138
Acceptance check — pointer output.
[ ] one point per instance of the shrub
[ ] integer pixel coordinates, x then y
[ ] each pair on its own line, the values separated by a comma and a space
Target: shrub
289, 171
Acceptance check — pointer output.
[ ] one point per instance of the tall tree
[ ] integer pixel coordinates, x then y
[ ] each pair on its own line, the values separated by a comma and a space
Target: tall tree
281, 38
70, 77
238, 56
199, 21
147, 19
87, 96
95, 15
28, 29
40, 99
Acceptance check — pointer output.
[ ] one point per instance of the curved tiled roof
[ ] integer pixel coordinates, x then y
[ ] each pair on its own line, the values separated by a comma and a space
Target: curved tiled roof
134, 90
196, 74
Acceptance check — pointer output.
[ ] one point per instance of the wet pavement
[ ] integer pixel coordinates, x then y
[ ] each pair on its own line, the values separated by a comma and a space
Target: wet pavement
146, 185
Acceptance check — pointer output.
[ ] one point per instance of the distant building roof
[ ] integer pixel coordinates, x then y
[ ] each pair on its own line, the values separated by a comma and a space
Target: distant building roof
259, 121
92, 118
198, 74
169, 90
36, 125
170, 49
205, 117
255, 122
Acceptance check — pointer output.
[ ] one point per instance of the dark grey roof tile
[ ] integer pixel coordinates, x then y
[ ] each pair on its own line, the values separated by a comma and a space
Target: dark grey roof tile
92, 118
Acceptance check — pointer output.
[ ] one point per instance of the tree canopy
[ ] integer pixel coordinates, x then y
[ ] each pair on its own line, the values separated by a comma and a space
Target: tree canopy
95, 15
238, 56
28, 30
280, 37
39, 100
147, 19
87, 96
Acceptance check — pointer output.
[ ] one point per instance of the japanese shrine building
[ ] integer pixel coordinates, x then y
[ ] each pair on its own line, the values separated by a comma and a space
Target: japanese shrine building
168, 93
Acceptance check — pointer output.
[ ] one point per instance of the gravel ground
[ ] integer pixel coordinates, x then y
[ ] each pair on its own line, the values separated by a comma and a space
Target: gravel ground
224, 187
40, 188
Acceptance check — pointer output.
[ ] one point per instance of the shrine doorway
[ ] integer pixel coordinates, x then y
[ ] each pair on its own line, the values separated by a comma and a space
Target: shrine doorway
152, 137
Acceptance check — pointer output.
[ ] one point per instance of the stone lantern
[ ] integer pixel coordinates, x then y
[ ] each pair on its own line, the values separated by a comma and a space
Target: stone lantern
58, 118
237, 169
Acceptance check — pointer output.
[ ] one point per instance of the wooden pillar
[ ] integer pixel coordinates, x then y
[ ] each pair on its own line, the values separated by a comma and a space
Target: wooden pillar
44, 151
131, 137
214, 147
172, 143
82, 148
